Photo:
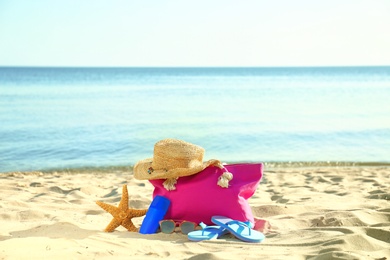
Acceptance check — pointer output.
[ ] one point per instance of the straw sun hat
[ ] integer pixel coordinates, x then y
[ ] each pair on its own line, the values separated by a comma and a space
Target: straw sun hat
173, 159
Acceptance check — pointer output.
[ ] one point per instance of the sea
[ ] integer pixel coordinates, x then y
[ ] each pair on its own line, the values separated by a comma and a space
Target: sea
73, 118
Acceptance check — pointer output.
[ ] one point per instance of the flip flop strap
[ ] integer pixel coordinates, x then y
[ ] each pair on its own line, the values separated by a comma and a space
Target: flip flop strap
247, 224
204, 227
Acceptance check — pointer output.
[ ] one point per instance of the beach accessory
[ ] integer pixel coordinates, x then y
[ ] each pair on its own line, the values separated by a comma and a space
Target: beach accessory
239, 229
173, 159
197, 197
156, 212
168, 226
207, 233
122, 214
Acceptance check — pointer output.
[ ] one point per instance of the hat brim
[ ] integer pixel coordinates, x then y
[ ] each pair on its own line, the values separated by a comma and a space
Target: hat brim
141, 170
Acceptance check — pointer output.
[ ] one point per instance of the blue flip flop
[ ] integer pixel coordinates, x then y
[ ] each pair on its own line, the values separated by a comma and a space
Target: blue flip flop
240, 230
207, 233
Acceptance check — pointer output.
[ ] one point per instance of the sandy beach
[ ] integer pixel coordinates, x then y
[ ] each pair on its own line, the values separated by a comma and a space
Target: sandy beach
314, 213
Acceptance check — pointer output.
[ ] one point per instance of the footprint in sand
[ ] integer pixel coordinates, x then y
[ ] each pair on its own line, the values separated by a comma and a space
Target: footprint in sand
326, 222
61, 191
379, 195
379, 234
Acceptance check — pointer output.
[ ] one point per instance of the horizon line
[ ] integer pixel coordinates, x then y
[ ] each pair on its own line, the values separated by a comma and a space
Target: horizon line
192, 67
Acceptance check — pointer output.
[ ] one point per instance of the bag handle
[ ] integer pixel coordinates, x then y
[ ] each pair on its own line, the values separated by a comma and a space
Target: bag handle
223, 180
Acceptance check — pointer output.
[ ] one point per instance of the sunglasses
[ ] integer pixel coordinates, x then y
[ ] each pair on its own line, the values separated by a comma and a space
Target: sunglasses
168, 226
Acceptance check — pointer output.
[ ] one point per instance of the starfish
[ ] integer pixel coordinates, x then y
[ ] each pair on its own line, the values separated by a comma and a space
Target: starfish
122, 214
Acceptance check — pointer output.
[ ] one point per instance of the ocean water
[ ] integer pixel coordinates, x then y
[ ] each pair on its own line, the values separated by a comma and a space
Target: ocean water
56, 118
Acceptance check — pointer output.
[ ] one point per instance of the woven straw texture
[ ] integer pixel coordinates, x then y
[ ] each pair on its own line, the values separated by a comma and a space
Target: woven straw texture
172, 158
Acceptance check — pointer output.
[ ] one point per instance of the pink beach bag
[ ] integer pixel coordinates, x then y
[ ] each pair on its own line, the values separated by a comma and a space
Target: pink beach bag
198, 197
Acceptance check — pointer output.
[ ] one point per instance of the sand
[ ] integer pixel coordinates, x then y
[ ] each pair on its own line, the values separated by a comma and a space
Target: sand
314, 213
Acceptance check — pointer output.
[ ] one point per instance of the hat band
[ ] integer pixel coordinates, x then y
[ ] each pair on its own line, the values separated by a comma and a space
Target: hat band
168, 163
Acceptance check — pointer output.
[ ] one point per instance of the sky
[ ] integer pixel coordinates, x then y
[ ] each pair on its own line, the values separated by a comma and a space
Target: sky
201, 33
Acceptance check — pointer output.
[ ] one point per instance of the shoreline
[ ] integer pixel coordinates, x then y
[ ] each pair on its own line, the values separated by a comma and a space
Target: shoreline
267, 165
